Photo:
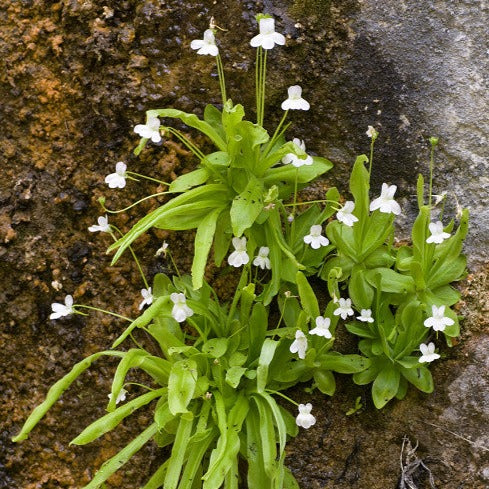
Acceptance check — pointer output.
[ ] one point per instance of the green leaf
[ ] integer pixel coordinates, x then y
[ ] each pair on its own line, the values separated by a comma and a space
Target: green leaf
222, 237
246, 207
325, 381
181, 385
189, 180
305, 173
57, 390
419, 377
307, 296
385, 386
268, 440
115, 463
391, 281
420, 191
279, 421
359, 187
266, 357
215, 347
203, 242
257, 477
359, 290
233, 376
257, 327
192, 121
360, 329
343, 364
111, 420
158, 478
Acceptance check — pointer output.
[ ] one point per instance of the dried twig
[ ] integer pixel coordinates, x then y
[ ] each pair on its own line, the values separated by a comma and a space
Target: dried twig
410, 464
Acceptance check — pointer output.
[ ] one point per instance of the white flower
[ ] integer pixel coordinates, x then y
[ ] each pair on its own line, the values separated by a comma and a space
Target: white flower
322, 327
147, 297
239, 256
120, 397
150, 130
267, 37
437, 233
297, 161
290, 218
372, 132
295, 100
365, 316
163, 250
117, 179
299, 345
262, 259
386, 203
206, 45
314, 238
305, 419
344, 309
428, 353
438, 321
102, 226
180, 310
345, 215
60, 310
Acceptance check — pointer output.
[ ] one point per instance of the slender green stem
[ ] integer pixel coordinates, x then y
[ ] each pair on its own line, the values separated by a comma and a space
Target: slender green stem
133, 255
263, 86
222, 81
284, 396
432, 160
257, 82
371, 159
196, 151
243, 279
307, 202
173, 263
91, 308
276, 135
146, 177
132, 205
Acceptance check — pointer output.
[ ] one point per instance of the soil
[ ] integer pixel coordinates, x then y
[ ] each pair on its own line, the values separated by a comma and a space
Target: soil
75, 77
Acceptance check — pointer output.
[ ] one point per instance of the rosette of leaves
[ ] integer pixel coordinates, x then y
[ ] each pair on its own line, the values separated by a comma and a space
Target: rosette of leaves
236, 190
212, 388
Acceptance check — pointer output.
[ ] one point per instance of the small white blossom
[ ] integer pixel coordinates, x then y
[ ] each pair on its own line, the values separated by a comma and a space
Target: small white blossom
438, 321
262, 259
180, 311
315, 238
439, 197
206, 45
121, 397
366, 316
147, 297
61, 310
297, 161
150, 130
290, 218
239, 256
322, 327
117, 179
305, 419
371, 132
345, 215
437, 233
267, 38
344, 308
386, 203
163, 250
428, 353
299, 345
102, 226
294, 100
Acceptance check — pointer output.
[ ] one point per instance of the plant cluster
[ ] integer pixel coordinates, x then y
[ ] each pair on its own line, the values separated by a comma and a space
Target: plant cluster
221, 366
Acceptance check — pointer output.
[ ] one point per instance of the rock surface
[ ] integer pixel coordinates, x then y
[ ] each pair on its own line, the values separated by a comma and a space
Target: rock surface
76, 76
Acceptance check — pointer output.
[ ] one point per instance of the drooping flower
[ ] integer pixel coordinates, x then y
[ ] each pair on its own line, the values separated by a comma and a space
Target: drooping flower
315, 238
344, 308
163, 250
372, 132
365, 316
345, 215
438, 321
297, 161
262, 259
322, 327
207, 45
294, 100
102, 226
299, 345
305, 419
61, 310
150, 130
267, 38
121, 397
386, 203
428, 353
147, 297
437, 233
180, 311
239, 256
117, 179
